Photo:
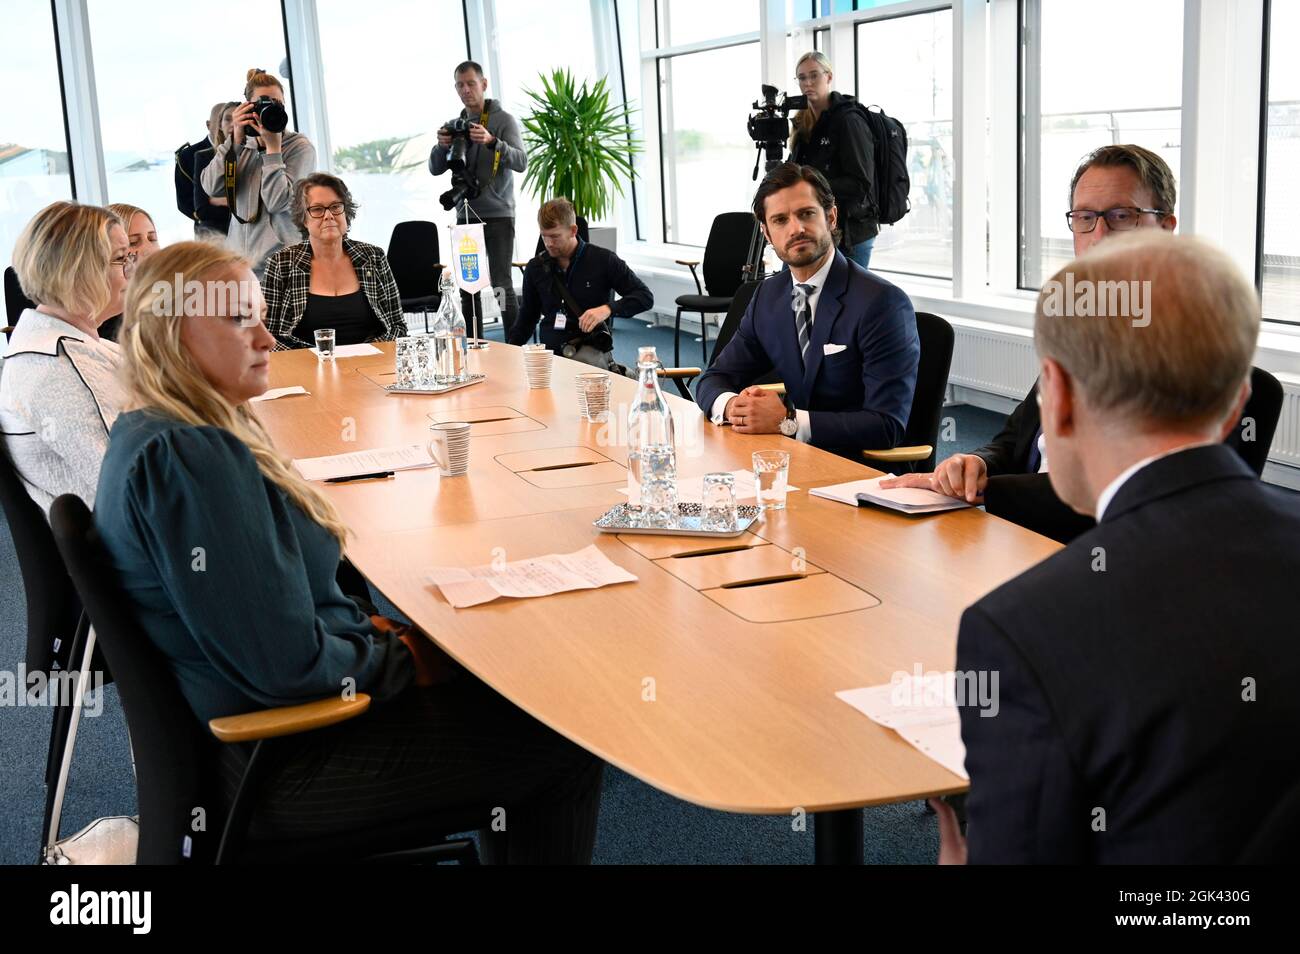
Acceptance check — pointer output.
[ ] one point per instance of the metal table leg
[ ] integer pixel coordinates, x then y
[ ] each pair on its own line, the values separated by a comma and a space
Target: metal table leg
838, 837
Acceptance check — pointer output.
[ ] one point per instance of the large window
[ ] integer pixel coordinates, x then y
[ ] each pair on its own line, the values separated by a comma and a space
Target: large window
627, 28
533, 39
34, 167
905, 67
1281, 249
689, 21
160, 67
386, 92
708, 156
1076, 98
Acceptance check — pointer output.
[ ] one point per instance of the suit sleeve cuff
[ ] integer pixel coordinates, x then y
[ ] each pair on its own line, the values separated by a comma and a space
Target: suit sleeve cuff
804, 433
720, 407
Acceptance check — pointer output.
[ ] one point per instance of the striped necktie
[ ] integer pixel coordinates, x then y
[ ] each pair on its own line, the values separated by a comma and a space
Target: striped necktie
802, 315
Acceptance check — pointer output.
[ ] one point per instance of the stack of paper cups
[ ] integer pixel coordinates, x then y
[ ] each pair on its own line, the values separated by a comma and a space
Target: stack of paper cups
537, 365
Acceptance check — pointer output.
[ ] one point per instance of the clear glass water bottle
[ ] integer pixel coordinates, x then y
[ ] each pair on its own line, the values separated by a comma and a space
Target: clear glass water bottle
652, 455
444, 367
458, 369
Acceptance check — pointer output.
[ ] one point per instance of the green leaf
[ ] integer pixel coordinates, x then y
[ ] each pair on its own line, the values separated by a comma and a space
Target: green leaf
579, 145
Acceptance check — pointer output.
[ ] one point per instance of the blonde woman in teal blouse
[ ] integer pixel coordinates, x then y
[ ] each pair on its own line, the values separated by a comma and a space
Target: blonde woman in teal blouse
264, 623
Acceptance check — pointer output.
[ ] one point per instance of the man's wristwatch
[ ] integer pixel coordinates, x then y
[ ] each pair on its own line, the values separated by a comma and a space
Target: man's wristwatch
790, 426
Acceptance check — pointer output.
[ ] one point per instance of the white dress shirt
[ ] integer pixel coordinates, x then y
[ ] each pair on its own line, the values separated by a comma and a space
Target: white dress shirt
804, 432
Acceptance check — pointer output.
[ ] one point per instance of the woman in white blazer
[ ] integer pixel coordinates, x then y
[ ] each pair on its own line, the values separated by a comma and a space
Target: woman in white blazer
59, 392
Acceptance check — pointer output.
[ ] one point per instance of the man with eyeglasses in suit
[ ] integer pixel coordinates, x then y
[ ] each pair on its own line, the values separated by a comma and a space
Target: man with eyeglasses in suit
1115, 189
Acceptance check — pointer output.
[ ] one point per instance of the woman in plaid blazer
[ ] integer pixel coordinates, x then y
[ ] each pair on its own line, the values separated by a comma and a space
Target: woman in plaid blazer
329, 281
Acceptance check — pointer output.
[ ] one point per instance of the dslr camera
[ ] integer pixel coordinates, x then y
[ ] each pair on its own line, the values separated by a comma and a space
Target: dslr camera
463, 183
271, 115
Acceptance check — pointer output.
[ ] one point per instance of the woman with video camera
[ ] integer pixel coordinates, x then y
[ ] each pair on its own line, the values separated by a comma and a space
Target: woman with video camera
833, 137
255, 170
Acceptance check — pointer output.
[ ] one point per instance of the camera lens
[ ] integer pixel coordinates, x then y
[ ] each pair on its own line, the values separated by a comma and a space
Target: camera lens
271, 115
456, 154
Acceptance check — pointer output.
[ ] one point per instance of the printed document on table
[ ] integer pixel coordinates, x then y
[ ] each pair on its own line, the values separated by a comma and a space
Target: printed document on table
352, 351
377, 460
921, 710
274, 393
585, 569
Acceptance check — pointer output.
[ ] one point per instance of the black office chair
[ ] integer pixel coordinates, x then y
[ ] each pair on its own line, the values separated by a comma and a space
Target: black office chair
57, 631
682, 377
16, 300
414, 258
724, 262
176, 761
917, 452
1261, 413
1277, 841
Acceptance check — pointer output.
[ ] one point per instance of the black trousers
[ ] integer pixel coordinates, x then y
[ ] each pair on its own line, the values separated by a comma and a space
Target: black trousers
457, 750
499, 235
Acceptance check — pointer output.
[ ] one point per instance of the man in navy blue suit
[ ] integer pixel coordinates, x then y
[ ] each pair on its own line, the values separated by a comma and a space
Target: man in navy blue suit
1146, 706
842, 339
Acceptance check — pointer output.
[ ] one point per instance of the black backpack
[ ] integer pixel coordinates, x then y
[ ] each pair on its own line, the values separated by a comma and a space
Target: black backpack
893, 184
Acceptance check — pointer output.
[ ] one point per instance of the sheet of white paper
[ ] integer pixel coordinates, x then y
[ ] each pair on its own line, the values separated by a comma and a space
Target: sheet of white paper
585, 569
376, 460
691, 489
922, 711
902, 499
274, 393
352, 351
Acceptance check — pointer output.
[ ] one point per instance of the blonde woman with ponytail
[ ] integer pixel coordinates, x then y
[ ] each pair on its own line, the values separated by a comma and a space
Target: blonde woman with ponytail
832, 135
266, 165
230, 559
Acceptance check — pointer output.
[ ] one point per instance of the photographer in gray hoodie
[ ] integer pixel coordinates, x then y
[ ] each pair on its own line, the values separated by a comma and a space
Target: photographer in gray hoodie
494, 155
266, 166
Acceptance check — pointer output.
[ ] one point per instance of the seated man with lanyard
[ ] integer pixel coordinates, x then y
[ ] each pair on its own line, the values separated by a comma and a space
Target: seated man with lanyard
568, 289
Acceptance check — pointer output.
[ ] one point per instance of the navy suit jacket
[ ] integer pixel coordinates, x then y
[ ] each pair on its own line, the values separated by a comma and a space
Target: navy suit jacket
858, 398
1125, 689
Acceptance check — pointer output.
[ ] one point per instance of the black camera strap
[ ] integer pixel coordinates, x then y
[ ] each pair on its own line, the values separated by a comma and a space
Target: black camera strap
230, 190
496, 153
572, 307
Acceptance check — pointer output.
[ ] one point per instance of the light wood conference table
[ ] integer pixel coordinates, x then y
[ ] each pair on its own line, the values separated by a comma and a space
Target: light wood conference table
712, 677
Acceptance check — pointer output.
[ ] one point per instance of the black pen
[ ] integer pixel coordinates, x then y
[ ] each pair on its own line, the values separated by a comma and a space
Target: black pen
340, 480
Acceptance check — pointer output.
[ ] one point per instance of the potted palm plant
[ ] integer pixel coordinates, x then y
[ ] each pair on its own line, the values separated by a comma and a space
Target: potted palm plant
579, 144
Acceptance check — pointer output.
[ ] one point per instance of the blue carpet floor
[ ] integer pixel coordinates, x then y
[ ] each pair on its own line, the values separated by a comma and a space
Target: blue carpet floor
638, 824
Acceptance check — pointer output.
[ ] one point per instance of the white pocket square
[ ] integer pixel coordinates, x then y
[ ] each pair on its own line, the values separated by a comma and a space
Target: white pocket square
833, 349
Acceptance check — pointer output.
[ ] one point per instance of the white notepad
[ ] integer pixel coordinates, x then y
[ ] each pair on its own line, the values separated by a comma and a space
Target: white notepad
375, 461
902, 499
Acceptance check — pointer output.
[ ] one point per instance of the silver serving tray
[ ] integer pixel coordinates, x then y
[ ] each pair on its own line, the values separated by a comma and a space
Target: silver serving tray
441, 389
619, 519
